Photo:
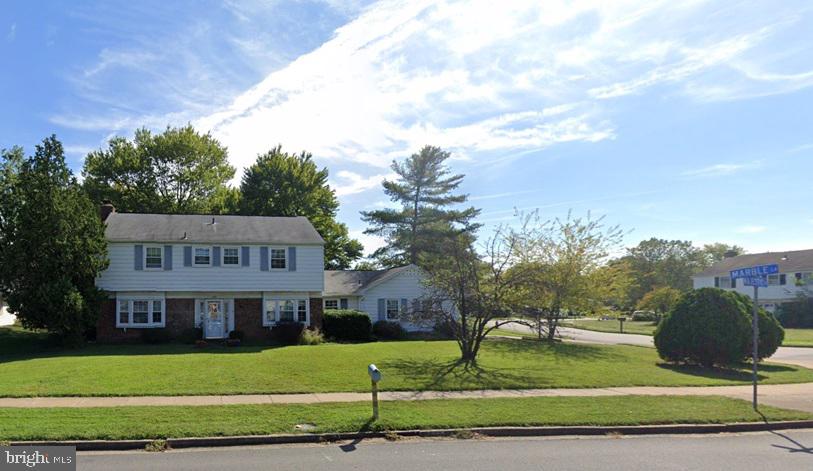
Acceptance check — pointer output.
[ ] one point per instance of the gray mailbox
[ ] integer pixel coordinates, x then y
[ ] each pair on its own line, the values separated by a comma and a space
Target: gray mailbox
374, 372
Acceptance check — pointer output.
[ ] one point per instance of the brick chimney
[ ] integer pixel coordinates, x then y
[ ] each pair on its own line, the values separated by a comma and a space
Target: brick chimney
106, 209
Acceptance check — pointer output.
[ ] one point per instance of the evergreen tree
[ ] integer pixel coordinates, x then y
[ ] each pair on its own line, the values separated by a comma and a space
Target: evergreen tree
282, 184
425, 190
52, 244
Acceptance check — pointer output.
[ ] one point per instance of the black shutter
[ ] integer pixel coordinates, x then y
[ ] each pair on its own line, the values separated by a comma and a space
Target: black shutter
716, 281
783, 279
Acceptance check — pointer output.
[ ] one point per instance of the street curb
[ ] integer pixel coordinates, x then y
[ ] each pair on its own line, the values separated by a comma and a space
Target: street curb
206, 442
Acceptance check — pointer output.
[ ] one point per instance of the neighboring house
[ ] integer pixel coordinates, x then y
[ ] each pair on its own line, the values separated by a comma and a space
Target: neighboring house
382, 294
222, 273
6, 318
795, 276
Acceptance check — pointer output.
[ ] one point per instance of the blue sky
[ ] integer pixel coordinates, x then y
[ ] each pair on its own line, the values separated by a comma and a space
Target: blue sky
681, 120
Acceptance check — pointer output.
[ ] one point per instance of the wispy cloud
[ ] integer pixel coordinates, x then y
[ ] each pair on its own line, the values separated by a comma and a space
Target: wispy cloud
719, 170
751, 229
801, 148
12, 32
351, 183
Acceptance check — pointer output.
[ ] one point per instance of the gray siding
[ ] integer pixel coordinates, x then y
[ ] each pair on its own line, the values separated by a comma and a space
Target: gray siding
122, 276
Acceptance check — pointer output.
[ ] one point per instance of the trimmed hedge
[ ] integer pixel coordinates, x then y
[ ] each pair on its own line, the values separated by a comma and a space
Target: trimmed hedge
798, 313
287, 333
388, 330
710, 326
347, 324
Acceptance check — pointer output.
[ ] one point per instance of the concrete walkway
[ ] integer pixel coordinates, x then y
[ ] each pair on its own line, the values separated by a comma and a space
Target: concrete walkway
790, 396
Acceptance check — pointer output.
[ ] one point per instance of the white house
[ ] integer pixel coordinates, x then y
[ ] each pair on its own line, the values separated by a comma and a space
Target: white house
224, 273
795, 276
382, 294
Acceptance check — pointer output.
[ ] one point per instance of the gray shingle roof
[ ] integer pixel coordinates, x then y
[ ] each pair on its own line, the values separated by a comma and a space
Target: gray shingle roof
794, 261
135, 227
352, 282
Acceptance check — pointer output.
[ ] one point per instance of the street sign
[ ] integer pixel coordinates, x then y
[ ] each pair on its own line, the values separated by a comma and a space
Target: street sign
759, 281
757, 271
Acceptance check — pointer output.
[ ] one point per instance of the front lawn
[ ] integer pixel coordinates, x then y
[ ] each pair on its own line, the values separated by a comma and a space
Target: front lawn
613, 326
176, 422
104, 370
798, 338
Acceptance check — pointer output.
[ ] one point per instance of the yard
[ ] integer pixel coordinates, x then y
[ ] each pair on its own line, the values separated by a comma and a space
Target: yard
176, 422
30, 366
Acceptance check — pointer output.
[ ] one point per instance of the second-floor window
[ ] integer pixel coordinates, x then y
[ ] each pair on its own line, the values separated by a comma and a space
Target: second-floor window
231, 256
202, 256
279, 259
153, 258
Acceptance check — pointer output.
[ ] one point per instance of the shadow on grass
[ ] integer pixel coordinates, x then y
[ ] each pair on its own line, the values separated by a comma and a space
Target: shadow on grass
438, 375
556, 350
742, 373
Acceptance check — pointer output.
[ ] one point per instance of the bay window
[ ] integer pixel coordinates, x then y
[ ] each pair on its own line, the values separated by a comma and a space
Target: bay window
285, 310
140, 312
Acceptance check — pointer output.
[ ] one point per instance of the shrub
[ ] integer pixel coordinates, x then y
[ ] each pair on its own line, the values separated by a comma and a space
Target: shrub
350, 325
155, 336
287, 333
645, 316
311, 337
236, 335
389, 330
798, 313
710, 327
190, 335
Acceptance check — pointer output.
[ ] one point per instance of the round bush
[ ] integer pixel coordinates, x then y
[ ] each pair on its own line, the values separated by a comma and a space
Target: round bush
389, 330
348, 325
708, 326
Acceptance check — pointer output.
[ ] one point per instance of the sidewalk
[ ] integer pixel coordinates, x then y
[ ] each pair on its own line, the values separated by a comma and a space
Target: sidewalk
788, 396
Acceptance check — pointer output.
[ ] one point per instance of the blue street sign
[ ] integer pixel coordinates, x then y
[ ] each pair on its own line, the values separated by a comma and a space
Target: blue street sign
753, 272
758, 281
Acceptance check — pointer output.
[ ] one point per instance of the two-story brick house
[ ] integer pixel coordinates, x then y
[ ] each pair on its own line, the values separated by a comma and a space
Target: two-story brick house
225, 273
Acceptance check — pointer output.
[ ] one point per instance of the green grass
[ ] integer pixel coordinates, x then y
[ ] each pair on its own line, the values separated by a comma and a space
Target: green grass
121, 370
630, 327
798, 338
175, 422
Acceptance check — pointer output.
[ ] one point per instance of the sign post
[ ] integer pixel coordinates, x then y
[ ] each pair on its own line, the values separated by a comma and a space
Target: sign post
375, 377
755, 276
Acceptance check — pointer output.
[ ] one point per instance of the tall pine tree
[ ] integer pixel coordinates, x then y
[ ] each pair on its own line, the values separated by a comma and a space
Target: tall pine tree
425, 190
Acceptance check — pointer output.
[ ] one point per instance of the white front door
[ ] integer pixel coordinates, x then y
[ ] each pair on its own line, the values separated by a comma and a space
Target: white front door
215, 320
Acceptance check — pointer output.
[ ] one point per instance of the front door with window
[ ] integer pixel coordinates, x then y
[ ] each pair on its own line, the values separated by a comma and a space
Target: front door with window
215, 320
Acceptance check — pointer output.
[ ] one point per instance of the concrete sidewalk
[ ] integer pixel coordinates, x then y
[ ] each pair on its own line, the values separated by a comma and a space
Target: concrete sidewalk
789, 396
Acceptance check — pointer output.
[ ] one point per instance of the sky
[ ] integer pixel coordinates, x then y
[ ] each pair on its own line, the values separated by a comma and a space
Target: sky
686, 120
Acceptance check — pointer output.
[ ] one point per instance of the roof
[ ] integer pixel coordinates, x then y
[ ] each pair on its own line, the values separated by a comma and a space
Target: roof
199, 228
354, 282
789, 262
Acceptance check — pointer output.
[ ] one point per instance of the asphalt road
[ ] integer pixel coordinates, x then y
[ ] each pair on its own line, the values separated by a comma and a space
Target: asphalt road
756, 451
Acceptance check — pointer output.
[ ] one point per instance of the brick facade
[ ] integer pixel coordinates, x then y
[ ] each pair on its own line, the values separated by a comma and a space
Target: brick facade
180, 316
248, 319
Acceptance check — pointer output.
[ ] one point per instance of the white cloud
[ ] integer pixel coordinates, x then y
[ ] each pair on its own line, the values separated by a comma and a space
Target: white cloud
371, 243
753, 229
718, 170
354, 183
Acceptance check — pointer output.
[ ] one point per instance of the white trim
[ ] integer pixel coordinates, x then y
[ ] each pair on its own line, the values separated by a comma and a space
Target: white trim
223, 256
276, 299
150, 324
211, 255
271, 258
160, 251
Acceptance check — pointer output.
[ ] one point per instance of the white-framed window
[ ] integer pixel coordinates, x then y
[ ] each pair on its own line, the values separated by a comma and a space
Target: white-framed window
393, 309
285, 310
140, 312
331, 304
773, 280
806, 278
278, 258
153, 257
231, 256
201, 256
724, 282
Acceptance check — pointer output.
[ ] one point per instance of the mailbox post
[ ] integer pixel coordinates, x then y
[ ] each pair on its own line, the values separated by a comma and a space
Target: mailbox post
375, 377
621, 323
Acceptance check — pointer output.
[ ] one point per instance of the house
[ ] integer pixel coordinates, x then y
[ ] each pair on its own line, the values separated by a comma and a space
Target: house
382, 294
224, 273
795, 276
